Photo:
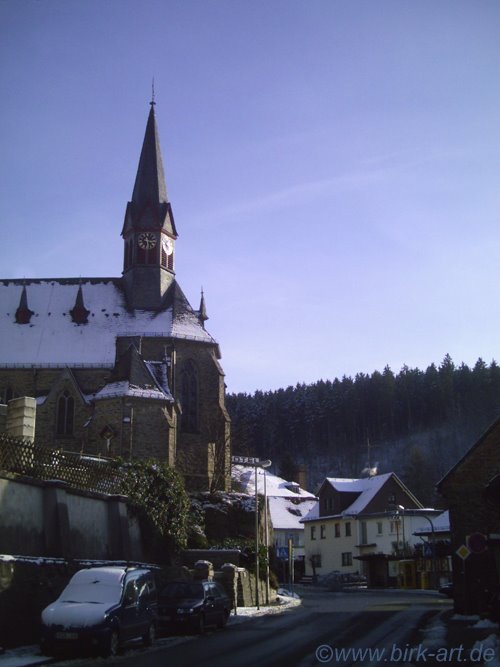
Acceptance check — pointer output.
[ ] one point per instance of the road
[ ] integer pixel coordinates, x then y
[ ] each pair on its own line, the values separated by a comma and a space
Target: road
304, 636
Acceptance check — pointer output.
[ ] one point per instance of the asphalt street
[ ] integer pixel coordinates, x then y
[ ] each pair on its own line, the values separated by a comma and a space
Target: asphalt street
328, 628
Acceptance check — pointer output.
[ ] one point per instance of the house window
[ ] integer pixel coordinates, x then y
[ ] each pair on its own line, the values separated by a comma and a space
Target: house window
379, 528
337, 530
316, 560
364, 533
313, 532
189, 397
65, 414
346, 559
348, 529
322, 531
394, 527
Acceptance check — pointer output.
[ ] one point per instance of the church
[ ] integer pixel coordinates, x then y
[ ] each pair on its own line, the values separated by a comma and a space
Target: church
124, 366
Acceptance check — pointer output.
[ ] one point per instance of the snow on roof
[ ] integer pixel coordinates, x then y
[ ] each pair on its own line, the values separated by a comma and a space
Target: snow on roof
105, 575
288, 502
441, 524
51, 338
275, 486
367, 487
286, 513
124, 388
313, 513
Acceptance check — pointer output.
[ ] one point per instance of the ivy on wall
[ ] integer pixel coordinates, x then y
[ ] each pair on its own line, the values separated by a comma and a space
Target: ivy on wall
157, 495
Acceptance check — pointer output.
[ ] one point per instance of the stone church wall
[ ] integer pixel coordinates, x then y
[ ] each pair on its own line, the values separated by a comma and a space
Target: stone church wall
202, 453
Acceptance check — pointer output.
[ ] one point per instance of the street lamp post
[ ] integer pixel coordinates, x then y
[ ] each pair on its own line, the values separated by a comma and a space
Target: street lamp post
257, 545
401, 509
264, 464
434, 556
257, 463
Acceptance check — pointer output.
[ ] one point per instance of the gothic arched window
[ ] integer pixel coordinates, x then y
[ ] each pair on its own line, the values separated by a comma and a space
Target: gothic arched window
189, 397
65, 414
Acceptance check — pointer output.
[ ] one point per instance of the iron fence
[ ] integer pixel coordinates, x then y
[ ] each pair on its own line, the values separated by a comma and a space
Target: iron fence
77, 470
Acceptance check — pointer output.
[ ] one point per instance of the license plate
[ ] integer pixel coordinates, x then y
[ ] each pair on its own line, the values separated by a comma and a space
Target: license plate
66, 635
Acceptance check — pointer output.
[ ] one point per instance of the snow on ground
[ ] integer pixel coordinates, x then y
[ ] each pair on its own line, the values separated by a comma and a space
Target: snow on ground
486, 623
462, 617
23, 656
434, 635
491, 643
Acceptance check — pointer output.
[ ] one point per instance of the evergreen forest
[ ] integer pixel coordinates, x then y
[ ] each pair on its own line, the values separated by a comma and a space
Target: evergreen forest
415, 423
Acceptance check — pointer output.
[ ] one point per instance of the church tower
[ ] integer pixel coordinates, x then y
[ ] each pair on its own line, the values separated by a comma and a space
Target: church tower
149, 232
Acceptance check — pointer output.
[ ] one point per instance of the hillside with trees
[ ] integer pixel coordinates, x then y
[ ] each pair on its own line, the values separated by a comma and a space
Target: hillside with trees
415, 423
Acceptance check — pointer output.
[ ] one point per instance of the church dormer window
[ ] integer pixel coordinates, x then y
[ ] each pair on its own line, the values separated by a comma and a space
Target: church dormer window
65, 418
189, 397
23, 313
79, 314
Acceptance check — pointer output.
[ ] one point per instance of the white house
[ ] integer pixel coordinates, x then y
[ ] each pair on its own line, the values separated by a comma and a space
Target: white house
360, 525
287, 504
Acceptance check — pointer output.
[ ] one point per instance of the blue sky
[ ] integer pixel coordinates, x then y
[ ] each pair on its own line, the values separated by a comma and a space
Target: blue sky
332, 167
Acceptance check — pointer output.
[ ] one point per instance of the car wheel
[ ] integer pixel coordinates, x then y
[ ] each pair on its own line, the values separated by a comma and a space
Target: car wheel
112, 644
46, 649
150, 635
223, 618
201, 625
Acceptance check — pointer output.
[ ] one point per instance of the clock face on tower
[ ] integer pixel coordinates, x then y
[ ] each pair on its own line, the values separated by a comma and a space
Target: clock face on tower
146, 240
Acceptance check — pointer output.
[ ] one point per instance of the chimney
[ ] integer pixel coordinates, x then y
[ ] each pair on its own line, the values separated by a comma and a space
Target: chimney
20, 421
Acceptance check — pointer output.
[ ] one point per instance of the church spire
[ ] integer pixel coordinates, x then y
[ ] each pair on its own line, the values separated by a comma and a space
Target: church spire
150, 187
149, 232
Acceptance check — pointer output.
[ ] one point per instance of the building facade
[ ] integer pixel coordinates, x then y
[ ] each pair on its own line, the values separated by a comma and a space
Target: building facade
358, 526
472, 489
122, 366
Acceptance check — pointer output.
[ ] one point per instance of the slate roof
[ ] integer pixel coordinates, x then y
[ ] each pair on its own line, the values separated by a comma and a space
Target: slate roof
52, 338
149, 206
132, 376
286, 506
366, 488
441, 524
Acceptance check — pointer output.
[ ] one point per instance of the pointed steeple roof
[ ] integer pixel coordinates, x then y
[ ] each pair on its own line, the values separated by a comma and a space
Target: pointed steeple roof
23, 313
79, 314
149, 207
150, 186
202, 312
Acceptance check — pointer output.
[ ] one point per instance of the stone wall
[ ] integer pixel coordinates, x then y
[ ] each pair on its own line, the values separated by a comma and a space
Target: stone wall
49, 519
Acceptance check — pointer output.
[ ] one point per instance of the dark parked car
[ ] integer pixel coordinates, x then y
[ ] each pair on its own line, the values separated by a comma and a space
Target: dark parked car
447, 589
192, 605
100, 609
